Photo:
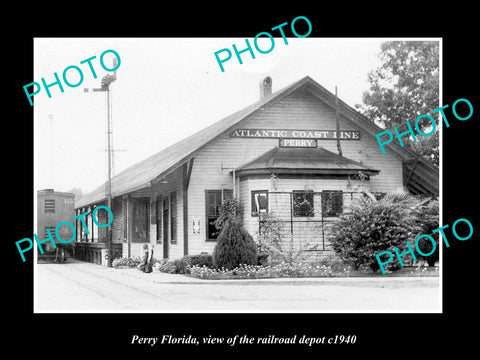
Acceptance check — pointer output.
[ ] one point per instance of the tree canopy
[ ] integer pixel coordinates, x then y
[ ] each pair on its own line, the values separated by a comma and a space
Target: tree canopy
403, 87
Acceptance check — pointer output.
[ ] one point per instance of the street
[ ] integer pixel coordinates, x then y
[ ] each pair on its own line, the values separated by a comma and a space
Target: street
77, 286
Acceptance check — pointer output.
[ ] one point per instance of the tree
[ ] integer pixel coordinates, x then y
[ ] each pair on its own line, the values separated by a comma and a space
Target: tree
229, 210
403, 87
235, 246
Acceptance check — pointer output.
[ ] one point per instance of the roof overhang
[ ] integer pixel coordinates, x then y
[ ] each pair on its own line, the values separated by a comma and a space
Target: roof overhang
304, 171
298, 161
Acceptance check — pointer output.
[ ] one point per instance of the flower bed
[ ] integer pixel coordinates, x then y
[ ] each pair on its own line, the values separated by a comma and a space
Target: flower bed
300, 270
282, 270
125, 262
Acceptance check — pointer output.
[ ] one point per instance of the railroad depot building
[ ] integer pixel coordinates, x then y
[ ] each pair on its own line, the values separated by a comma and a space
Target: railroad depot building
279, 155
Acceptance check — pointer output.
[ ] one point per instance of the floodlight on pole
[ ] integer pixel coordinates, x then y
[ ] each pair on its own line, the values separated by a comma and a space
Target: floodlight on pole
107, 80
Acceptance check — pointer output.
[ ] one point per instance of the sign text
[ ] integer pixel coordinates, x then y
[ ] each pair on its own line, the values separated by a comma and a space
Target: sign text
295, 134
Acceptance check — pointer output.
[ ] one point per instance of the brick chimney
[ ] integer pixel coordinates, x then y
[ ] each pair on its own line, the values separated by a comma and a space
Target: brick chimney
265, 87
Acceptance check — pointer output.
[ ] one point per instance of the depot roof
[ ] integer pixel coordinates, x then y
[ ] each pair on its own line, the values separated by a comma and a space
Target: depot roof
147, 172
304, 161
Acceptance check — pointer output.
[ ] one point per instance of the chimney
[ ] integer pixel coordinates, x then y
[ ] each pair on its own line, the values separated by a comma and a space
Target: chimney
266, 87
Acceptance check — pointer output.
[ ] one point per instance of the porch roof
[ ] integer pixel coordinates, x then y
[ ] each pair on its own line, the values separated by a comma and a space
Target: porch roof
304, 161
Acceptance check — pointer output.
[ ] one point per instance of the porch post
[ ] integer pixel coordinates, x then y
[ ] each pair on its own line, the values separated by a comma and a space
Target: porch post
129, 225
187, 172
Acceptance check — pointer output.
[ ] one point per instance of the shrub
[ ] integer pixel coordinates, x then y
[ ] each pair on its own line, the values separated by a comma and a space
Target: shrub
177, 266
235, 246
167, 266
428, 221
273, 242
183, 265
229, 210
262, 258
270, 234
127, 261
374, 226
201, 260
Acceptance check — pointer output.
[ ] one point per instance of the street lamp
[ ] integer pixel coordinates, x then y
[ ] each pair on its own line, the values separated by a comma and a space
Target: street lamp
107, 80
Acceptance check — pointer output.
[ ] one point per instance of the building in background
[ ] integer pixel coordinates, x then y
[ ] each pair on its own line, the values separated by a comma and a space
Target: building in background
299, 153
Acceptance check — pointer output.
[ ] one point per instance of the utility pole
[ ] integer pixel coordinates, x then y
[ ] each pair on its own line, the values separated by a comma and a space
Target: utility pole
106, 82
337, 120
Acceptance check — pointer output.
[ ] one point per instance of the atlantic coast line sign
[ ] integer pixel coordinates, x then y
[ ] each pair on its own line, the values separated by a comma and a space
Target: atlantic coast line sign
295, 134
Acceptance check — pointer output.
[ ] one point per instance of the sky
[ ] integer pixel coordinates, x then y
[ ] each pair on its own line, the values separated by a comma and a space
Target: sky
166, 90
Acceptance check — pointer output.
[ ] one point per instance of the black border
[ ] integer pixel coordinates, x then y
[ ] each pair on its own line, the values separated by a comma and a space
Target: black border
60, 335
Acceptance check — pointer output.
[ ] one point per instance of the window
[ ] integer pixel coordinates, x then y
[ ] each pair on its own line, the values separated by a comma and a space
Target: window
140, 220
49, 205
87, 226
332, 202
173, 217
259, 202
165, 217
81, 234
89, 223
213, 200
102, 217
303, 203
159, 214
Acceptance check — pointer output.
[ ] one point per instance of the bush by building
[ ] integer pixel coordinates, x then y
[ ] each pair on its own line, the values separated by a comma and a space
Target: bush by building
374, 226
235, 247
183, 265
428, 219
126, 261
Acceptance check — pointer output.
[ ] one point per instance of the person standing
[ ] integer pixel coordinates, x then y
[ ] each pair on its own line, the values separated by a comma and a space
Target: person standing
147, 262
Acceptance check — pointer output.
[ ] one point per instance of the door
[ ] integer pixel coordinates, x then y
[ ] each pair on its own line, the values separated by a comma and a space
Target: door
165, 228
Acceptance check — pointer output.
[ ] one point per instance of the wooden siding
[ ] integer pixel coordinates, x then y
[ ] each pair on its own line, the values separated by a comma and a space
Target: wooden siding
300, 110
307, 230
